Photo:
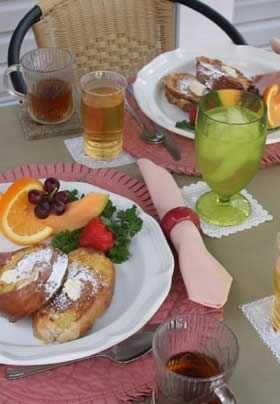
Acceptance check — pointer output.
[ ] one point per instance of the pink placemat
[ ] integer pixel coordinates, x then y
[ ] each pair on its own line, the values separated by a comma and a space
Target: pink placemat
159, 155
98, 380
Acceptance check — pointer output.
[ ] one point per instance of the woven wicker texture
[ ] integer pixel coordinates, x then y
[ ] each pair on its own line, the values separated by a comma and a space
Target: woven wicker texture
119, 35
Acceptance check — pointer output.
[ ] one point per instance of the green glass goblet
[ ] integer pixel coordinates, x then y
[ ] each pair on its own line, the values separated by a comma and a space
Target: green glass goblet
230, 134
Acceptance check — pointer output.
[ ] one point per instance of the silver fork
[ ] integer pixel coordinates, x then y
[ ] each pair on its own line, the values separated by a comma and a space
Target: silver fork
126, 351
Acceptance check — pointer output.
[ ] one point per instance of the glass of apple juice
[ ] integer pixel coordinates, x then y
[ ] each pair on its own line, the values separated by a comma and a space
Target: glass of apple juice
102, 112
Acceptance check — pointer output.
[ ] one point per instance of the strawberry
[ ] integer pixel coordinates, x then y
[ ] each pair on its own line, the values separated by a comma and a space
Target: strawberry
192, 115
97, 235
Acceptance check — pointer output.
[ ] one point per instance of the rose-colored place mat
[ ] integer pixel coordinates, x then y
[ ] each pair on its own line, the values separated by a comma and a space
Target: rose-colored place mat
159, 155
96, 380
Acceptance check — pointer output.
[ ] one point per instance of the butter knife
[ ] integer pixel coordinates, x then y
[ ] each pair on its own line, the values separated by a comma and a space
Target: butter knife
166, 139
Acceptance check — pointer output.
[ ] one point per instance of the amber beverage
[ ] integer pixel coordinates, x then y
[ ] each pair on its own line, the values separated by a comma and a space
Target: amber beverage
102, 111
195, 355
51, 100
276, 300
47, 78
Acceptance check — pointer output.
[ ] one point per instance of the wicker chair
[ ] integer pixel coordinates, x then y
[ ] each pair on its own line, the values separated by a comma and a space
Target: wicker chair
121, 35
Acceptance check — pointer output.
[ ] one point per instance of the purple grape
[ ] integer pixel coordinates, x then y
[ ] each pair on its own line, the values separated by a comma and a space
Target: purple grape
58, 207
51, 184
43, 210
62, 196
35, 196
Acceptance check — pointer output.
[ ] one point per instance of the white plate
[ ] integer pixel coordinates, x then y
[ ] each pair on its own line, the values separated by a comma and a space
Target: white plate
142, 284
149, 90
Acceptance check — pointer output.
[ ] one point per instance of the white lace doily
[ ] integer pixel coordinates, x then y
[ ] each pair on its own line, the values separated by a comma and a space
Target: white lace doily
75, 148
258, 215
259, 315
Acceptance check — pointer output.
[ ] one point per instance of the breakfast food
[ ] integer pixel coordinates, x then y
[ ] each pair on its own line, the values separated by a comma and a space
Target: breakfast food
85, 295
78, 213
271, 97
17, 220
216, 75
183, 90
29, 278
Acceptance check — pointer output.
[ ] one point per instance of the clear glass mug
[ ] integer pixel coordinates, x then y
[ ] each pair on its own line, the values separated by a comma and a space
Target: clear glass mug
47, 74
195, 355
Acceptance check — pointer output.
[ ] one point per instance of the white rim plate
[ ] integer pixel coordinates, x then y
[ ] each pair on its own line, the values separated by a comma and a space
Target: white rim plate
142, 284
149, 90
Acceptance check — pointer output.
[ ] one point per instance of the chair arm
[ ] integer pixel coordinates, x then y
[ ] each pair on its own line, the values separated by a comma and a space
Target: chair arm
216, 17
23, 26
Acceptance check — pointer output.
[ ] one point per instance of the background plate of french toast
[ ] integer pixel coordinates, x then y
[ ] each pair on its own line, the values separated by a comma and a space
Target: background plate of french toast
116, 302
170, 86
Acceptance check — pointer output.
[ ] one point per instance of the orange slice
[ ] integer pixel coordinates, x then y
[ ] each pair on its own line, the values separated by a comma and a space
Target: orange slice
17, 219
271, 97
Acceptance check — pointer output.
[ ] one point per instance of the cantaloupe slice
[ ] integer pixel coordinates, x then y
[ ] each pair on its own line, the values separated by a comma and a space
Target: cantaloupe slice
78, 213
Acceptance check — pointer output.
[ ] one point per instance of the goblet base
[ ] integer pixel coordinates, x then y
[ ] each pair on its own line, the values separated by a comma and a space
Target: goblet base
214, 210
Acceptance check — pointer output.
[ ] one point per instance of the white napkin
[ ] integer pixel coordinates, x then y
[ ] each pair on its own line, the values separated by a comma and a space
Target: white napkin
206, 280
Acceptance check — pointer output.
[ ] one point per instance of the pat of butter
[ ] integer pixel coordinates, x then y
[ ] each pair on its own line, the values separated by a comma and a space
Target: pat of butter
73, 288
13, 276
229, 70
197, 88
10, 276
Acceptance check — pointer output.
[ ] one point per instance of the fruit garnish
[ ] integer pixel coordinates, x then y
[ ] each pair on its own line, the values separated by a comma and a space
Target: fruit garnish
50, 200
51, 184
97, 235
17, 219
177, 215
192, 115
271, 97
124, 224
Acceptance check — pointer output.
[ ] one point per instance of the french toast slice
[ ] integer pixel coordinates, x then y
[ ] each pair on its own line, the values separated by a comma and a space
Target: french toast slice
183, 86
182, 103
29, 278
217, 75
85, 295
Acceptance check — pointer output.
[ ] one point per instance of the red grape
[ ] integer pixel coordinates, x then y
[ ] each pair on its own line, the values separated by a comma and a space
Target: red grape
51, 184
61, 196
35, 196
43, 210
58, 207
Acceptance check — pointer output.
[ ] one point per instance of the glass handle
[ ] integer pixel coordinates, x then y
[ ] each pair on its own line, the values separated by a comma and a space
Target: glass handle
8, 83
225, 395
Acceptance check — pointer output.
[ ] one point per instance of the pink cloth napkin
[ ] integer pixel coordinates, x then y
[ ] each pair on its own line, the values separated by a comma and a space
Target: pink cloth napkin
206, 280
275, 43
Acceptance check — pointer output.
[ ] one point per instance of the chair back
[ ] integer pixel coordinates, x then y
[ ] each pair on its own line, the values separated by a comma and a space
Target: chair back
119, 35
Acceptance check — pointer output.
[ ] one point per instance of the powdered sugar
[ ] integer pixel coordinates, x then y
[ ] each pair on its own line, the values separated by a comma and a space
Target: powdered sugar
58, 271
184, 85
213, 72
84, 275
28, 266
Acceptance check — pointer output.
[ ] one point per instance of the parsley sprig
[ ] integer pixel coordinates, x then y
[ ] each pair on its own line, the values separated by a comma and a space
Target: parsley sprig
184, 125
124, 224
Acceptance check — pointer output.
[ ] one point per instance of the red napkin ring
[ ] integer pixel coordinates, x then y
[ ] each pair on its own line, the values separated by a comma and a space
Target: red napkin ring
177, 215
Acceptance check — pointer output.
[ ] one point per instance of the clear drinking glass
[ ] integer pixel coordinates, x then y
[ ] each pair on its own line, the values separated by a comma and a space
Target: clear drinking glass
102, 111
47, 74
230, 134
195, 355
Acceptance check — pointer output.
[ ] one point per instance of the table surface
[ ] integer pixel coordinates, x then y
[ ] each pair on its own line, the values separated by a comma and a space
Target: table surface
247, 255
